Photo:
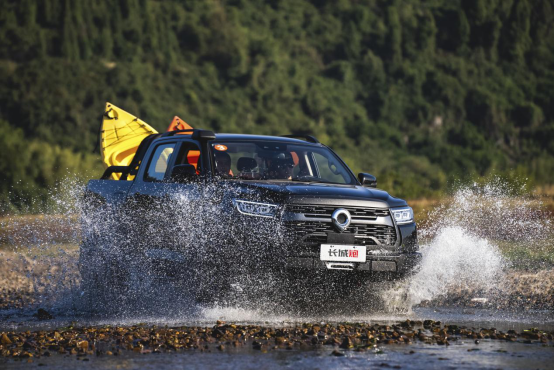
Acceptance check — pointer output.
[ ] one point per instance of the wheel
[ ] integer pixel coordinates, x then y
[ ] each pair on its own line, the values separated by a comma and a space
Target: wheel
104, 284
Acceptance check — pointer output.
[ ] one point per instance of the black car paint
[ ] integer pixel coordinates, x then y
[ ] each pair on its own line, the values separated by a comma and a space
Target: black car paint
137, 195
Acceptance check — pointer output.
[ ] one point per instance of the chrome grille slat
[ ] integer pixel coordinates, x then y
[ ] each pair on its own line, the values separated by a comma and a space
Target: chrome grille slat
316, 232
327, 211
312, 233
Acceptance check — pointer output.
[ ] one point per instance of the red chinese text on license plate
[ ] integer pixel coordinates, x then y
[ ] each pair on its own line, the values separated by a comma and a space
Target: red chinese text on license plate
346, 253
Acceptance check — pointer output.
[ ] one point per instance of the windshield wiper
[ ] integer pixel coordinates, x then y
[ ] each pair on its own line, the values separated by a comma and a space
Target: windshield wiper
304, 179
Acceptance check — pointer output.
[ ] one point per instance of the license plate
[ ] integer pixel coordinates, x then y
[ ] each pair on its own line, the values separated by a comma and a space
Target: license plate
340, 253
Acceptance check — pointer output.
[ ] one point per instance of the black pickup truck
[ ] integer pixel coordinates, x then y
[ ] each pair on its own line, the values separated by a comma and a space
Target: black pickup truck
192, 200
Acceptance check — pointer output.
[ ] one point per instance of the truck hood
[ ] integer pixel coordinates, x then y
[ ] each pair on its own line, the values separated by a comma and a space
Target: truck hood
302, 192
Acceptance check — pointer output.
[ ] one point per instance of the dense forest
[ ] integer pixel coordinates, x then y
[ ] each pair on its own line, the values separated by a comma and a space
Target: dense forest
417, 92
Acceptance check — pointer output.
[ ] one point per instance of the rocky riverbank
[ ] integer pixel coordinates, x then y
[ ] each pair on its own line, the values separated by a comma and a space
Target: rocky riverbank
112, 341
519, 290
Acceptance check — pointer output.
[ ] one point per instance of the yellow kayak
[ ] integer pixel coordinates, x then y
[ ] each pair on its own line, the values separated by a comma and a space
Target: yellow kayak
121, 135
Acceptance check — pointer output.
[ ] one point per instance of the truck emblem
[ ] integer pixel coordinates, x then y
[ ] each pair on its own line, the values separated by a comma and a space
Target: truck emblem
341, 219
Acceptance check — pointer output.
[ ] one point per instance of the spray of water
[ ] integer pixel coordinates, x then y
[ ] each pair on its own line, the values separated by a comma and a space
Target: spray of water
453, 261
461, 245
40, 251
163, 256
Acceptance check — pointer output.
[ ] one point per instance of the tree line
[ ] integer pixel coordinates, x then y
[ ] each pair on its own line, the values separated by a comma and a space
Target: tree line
416, 92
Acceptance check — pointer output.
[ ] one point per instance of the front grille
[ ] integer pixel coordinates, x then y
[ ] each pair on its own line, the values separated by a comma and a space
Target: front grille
385, 234
313, 232
358, 213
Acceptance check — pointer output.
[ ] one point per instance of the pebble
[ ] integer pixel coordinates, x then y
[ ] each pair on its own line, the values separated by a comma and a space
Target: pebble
42, 315
113, 340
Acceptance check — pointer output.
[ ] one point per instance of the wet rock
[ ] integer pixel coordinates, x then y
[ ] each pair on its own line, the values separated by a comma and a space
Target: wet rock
347, 343
42, 314
5, 340
337, 353
428, 323
30, 345
259, 346
146, 340
406, 324
332, 342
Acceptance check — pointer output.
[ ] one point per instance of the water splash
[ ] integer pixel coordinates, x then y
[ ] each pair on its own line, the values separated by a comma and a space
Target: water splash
461, 245
494, 211
204, 259
466, 244
456, 260
40, 251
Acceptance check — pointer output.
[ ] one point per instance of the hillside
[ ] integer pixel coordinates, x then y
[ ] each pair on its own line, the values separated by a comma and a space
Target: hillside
416, 92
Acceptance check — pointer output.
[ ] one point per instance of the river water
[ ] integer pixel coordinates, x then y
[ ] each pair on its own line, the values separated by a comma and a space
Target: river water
467, 355
468, 277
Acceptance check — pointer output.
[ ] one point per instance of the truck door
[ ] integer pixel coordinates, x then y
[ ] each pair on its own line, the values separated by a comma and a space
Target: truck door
164, 211
149, 182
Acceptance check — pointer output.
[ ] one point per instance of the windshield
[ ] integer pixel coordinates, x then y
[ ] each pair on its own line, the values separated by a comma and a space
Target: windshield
265, 160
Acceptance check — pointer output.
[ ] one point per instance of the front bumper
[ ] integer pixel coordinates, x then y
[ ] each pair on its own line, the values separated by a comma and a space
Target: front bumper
391, 248
401, 263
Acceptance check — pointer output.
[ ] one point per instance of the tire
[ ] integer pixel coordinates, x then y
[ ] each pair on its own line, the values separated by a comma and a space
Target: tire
103, 282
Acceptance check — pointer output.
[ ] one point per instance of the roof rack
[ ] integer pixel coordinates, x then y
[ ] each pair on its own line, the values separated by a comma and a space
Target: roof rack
171, 133
195, 132
308, 138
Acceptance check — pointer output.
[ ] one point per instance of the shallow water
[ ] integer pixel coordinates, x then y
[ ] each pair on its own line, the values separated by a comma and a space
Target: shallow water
460, 256
22, 320
461, 355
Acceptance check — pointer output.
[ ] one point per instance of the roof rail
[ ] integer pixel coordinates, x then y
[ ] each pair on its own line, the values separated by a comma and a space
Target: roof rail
171, 133
308, 138
195, 132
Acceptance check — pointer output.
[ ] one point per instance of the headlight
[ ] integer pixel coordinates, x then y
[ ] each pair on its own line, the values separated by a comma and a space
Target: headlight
255, 208
403, 215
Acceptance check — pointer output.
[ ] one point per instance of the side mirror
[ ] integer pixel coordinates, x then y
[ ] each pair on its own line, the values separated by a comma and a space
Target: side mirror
183, 173
367, 180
